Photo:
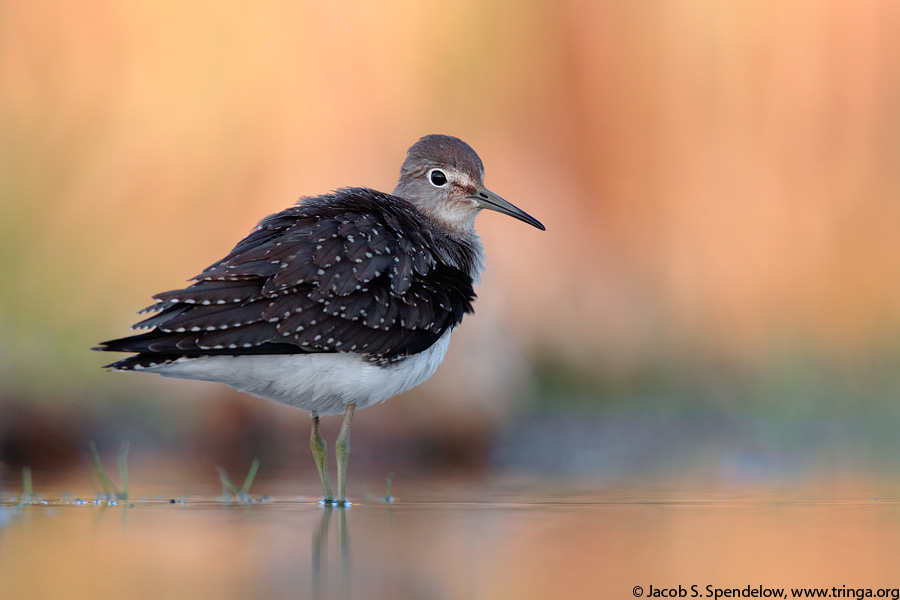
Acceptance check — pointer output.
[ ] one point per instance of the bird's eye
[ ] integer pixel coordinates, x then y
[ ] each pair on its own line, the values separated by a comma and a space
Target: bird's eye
437, 177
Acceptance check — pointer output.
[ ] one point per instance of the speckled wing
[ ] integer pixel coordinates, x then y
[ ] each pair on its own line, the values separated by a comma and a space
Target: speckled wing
353, 271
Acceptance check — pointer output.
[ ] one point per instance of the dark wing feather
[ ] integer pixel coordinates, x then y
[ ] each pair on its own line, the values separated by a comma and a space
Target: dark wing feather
228, 316
248, 270
354, 271
213, 292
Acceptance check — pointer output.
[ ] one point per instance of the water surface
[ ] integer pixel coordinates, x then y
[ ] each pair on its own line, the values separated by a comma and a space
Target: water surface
450, 539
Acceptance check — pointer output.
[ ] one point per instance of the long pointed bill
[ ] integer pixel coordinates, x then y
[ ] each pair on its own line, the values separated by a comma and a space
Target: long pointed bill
491, 201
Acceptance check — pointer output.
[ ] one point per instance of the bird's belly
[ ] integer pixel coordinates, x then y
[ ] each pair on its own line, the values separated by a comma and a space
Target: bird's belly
321, 383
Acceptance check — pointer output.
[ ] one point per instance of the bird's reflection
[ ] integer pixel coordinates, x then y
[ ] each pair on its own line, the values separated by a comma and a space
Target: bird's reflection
320, 552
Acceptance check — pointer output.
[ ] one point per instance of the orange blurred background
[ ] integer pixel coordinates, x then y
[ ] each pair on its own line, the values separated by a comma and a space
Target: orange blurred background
719, 181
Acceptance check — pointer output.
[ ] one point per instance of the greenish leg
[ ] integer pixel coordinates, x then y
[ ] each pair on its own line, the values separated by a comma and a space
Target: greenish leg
320, 455
342, 449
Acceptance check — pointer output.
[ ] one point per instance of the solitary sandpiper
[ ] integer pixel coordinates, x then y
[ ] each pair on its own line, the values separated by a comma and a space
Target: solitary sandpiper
336, 303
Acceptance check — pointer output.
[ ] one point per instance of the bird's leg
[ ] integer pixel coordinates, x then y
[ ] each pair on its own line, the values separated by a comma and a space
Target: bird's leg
320, 455
342, 450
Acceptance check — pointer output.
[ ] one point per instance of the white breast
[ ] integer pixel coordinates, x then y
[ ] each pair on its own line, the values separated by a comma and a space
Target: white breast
321, 383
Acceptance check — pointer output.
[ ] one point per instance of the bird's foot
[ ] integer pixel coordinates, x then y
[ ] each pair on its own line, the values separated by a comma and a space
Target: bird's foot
334, 502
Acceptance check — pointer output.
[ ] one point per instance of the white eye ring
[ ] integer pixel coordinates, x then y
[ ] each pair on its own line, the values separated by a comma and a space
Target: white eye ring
437, 178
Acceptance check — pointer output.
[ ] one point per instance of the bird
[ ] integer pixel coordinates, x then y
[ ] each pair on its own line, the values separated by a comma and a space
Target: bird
336, 303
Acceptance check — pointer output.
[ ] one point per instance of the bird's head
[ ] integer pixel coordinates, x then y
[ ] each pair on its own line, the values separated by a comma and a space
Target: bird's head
444, 178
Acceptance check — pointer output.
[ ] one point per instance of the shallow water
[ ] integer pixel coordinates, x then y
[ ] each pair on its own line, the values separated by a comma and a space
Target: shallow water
447, 539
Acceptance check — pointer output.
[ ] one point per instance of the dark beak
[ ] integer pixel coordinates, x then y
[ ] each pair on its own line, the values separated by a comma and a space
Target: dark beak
491, 201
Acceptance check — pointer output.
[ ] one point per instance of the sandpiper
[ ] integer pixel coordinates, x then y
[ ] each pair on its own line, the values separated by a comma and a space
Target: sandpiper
336, 303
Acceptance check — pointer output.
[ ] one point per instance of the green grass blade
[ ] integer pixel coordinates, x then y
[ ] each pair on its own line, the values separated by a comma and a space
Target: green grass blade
390, 483
123, 470
227, 486
27, 490
251, 475
109, 489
